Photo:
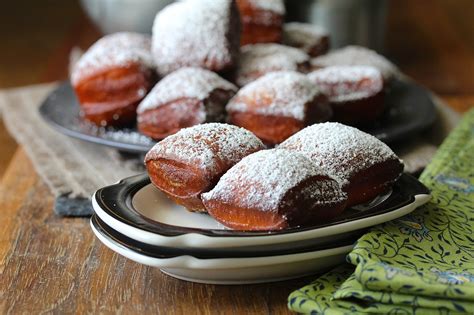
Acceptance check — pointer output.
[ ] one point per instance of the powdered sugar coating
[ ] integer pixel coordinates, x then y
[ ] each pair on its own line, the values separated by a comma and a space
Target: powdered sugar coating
357, 55
275, 6
340, 150
283, 93
186, 82
258, 59
115, 50
208, 147
261, 181
194, 33
343, 83
303, 35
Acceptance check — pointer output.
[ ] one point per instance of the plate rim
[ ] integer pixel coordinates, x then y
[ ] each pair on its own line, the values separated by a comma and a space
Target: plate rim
129, 147
191, 262
193, 239
159, 251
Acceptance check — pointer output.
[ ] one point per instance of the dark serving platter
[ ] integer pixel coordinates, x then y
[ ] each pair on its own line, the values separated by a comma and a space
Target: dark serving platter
410, 109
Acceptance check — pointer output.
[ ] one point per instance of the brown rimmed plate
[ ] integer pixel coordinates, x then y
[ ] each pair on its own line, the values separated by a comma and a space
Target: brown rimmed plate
136, 209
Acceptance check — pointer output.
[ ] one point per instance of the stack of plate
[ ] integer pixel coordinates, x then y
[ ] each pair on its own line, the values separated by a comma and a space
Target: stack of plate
136, 220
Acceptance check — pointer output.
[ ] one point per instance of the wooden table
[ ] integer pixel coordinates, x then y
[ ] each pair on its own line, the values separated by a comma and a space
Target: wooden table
55, 265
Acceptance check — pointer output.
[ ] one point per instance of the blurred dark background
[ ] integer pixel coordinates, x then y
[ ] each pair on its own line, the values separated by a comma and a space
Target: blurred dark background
430, 40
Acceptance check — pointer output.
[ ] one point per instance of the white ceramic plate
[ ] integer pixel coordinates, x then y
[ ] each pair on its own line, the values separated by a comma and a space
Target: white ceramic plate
138, 210
232, 270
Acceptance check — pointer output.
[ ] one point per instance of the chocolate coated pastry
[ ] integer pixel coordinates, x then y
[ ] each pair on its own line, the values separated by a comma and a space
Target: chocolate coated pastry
278, 105
196, 33
112, 77
261, 20
190, 162
184, 98
364, 166
355, 93
310, 38
260, 59
273, 190
356, 56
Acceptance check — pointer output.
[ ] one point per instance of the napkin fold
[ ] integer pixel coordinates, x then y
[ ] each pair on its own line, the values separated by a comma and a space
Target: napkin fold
72, 169
422, 263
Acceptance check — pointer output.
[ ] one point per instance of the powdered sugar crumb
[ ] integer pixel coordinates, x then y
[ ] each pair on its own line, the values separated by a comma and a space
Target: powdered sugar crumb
340, 150
207, 146
357, 55
184, 83
129, 137
264, 58
283, 93
115, 50
342, 83
192, 33
261, 180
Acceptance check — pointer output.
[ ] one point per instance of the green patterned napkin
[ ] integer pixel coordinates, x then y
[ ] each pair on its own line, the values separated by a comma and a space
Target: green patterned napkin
422, 263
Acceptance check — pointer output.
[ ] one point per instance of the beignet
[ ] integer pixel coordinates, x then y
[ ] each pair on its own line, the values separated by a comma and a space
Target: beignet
196, 33
355, 93
184, 98
310, 38
260, 59
356, 56
364, 166
278, 105
112, 77
261, 20
190, 162
272, 190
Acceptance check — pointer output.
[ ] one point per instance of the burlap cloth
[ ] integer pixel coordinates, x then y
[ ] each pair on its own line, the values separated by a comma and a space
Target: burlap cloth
74, 169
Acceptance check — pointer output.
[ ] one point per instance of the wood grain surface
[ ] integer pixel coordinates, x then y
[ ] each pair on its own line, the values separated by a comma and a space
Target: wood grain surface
55, 265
